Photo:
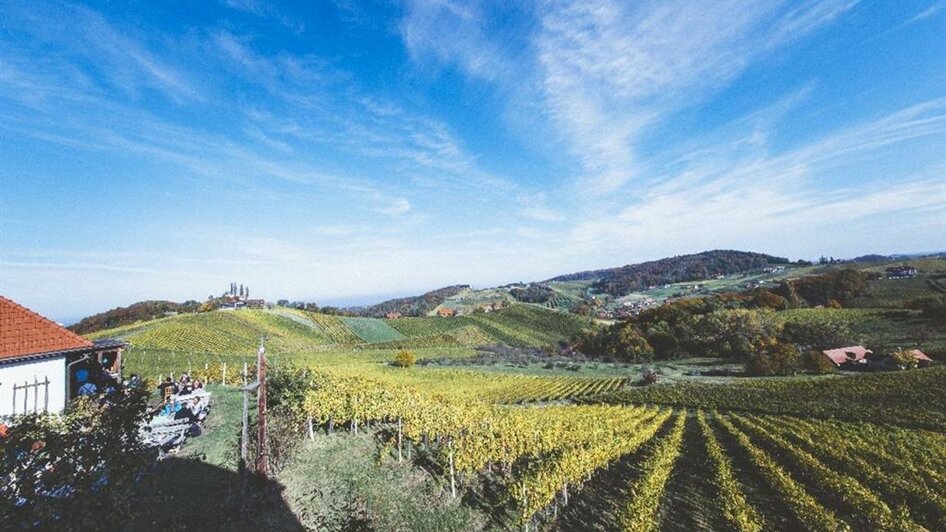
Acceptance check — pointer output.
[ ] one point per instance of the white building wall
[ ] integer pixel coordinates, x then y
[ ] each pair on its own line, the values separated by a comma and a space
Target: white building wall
29, 371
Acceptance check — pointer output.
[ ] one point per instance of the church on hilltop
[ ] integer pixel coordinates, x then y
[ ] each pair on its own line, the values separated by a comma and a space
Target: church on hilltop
238, 297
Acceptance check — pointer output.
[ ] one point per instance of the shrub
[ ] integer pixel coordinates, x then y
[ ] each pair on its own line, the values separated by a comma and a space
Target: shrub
816, 362
284, 435
649, 377
818, 334
762, 298
780, 359
76, 468
286, 388
933, 307
904, 359
404, 359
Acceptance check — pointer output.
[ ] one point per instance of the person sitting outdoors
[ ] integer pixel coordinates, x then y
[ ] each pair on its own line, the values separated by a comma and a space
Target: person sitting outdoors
110, 386
185, 412
199, 409
134, 381
171, 408
167, 388
87, 389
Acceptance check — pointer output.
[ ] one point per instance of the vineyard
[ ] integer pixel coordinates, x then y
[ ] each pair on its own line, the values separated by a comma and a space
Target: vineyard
909, 399
556, 467
289, 330
372, 330
528, 325
562, 451
499, 388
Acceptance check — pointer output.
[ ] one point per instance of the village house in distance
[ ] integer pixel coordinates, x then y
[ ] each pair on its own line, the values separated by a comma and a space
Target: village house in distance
43, 365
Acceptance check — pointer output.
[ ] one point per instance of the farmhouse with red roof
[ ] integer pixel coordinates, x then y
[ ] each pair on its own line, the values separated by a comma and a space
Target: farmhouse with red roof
844, 355
43, 365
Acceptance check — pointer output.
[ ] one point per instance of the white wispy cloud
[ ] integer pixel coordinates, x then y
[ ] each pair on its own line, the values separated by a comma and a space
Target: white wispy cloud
454, 31
106, 55
611, 71
928, 12
728, 195
606, 71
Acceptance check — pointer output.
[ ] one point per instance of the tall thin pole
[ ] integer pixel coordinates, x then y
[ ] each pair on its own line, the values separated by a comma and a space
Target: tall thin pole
262, 458
245, 436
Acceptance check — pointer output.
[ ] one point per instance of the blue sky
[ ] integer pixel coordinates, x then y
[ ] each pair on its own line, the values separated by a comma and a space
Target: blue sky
349, 150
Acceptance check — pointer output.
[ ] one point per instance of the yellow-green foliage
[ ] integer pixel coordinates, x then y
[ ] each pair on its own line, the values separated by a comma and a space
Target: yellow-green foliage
333, 327
544, 449
491, 387
740, 514
867, 504
806, 508
647, 494
919, 488
404, 359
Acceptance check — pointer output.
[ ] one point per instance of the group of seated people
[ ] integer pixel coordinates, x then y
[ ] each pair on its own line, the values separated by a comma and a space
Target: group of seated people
193, 409
183, 400
183, 386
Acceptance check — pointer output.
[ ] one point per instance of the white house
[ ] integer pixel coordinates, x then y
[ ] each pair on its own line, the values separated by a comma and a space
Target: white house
43, 365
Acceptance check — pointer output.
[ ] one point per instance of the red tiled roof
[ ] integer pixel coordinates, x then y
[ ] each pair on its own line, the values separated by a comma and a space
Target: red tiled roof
24, 332
847, 354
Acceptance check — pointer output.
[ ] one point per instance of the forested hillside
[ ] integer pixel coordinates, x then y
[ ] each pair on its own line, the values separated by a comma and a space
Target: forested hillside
416, 305
682, 268
141, 311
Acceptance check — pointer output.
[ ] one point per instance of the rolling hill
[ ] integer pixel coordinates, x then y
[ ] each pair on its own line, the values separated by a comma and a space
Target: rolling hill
290, 330
141, 311
697, 267
414, 306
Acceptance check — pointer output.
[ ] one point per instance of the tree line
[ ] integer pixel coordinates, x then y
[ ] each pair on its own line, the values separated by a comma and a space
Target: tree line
741, 327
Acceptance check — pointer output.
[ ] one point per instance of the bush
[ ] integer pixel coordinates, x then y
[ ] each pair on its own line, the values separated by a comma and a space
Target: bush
815, 361
904, 359
77, 468
286, 388
780, 359
284, 435
818, 334
762, 298
404, 359
649, 377
933, 307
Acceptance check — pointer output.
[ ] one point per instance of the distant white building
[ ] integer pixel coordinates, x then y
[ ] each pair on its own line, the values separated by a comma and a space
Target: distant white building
43, 365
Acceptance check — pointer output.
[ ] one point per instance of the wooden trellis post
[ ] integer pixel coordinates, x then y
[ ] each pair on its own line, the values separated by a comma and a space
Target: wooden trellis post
262, 458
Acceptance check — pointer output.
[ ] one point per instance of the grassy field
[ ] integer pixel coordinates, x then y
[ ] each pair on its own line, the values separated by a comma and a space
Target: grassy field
372, 330
897, 293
